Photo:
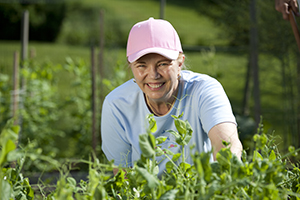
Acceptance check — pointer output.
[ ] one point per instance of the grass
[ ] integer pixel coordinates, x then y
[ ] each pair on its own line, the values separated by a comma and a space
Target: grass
192, 27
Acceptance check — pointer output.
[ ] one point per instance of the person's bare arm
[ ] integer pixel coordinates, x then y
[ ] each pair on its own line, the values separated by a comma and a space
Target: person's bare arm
225, 132
284, 6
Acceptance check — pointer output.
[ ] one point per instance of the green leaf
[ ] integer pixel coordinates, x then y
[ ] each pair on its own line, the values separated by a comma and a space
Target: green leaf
189, 132
257, 156
199, 168
5, 189
14, 155
159, 151
152, 181
186, 139
180, 126
147, 145
169, 195
169, 166
16, 130
272, 156
71, 181
184, 166
176, 157
152, 123
291, 149
152, 140
29, 190
168, 152
160, 140
178, 137
180, 141
179, 116
174, 133
224, 156
226, 144
6, 148
8, 138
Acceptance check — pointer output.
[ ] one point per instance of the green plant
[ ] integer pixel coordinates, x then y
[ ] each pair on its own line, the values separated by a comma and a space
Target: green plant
52, 111
12, 184
4, 95
262, 175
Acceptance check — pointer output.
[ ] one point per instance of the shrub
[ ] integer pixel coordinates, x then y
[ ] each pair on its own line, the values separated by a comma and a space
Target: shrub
45, 20
262, 175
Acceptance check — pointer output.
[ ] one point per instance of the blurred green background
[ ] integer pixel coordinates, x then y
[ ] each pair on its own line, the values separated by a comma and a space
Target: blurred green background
215, 39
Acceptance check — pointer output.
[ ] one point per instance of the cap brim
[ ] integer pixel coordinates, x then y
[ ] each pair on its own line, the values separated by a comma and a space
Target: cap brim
170, 54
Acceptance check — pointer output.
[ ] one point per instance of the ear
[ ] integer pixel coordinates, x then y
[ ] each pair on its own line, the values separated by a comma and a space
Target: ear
181, 61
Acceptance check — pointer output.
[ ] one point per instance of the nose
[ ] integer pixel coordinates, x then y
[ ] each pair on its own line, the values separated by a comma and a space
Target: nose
153, 73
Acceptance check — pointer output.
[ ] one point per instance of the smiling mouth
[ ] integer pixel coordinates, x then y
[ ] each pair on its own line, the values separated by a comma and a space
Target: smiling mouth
154, 86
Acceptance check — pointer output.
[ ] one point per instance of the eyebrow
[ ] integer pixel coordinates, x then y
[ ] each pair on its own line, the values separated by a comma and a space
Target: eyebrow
163, 60
137, 62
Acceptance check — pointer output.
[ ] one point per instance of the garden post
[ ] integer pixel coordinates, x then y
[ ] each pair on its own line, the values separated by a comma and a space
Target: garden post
101, 62
297, 37
94, 110
25, 34
254, 60
162, 9
15, 92
24, 48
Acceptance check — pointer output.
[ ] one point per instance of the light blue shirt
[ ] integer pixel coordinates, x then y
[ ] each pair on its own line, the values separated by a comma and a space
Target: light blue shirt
201, 98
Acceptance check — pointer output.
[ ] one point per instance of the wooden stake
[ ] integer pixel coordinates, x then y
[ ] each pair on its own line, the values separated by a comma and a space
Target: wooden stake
295, 28
162, 9
15, 87
94, 110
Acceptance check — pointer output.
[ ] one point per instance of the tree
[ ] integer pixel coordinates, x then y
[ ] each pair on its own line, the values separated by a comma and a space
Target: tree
45, 20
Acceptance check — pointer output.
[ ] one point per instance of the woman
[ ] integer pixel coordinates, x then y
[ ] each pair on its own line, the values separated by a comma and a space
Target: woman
161, 87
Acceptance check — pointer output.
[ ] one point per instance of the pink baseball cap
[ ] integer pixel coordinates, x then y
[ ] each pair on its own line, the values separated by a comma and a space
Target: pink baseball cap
153, 36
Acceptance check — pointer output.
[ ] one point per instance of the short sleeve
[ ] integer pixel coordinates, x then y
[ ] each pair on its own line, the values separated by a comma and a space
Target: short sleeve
114, 142
214, 105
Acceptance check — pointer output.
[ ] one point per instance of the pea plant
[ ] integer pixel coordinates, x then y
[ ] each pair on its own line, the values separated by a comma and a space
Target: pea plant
264, 174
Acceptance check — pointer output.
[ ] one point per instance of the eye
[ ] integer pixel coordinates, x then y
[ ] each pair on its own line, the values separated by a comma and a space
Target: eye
141, 66
163, 64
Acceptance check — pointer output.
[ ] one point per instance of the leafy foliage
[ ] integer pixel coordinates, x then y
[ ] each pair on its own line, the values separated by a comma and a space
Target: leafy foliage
45, 20
50, 114
262, 175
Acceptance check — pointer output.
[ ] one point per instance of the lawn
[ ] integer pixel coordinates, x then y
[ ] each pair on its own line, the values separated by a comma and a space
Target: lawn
192, 27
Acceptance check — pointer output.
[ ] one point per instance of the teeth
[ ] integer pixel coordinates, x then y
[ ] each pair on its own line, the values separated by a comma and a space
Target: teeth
155, 85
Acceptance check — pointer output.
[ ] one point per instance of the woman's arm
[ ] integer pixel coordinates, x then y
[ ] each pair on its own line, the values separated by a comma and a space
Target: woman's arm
226, 131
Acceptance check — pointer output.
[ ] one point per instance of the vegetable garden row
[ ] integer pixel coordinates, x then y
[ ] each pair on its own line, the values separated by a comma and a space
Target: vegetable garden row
263, 174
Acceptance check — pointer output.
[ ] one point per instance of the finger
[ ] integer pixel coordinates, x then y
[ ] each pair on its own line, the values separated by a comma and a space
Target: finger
278, 5
285, 11
294, 7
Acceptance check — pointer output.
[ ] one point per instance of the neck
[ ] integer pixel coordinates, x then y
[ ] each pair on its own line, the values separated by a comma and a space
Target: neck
161, 108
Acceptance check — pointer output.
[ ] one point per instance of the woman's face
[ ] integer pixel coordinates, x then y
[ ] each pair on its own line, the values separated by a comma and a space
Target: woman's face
157, 76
